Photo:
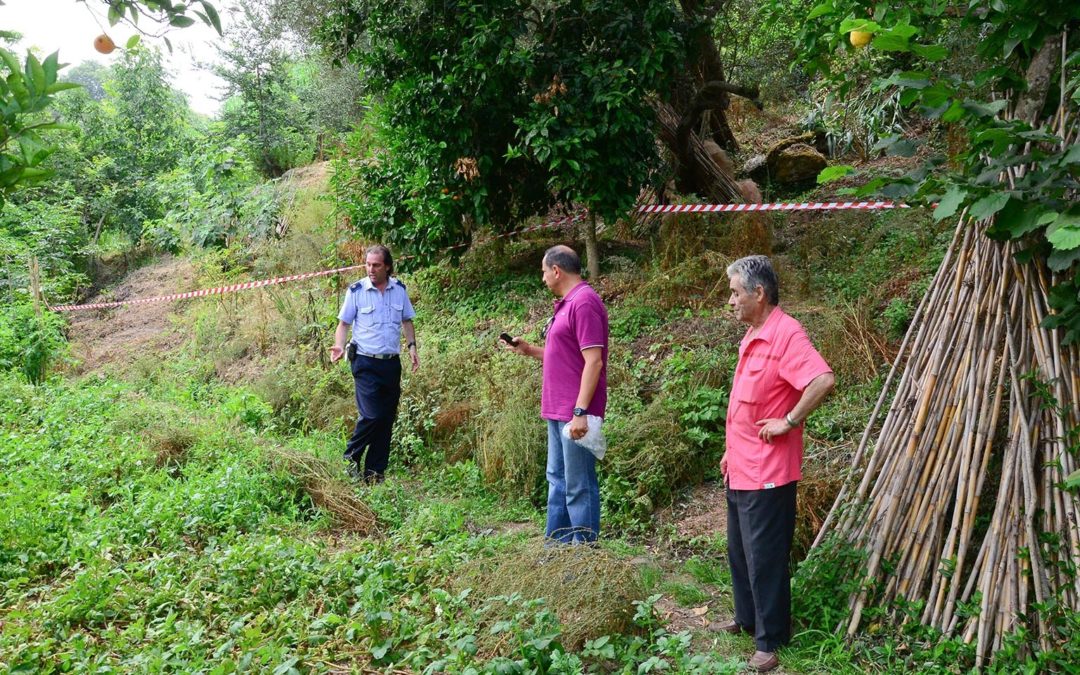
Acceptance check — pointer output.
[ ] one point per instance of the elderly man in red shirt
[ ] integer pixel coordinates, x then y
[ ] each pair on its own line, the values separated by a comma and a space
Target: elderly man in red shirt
779, 380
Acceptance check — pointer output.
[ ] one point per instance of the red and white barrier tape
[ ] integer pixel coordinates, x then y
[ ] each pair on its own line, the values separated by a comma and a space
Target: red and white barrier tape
794, 206
232, 288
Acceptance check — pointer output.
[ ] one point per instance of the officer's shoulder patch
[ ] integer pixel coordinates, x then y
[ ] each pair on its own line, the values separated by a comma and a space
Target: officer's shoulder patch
400, 283
356, 285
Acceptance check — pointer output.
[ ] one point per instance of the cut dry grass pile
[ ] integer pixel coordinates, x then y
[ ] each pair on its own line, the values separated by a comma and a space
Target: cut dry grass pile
817, 491
512, 442
591, 591
326, 489
170, 444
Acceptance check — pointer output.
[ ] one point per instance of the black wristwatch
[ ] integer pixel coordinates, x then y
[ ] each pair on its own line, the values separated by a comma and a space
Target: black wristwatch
579, 412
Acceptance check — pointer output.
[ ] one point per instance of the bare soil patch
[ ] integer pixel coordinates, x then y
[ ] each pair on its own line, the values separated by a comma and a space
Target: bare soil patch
307, 177
702, 514
118, 336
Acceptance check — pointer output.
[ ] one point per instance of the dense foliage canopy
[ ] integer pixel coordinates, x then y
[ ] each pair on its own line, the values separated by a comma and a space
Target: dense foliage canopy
1002, 72
486, 113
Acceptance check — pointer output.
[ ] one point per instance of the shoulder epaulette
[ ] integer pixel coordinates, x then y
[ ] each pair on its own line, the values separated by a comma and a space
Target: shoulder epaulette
353, 287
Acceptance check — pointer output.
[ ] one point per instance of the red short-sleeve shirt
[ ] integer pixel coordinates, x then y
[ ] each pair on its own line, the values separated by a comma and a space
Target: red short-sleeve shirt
774, 368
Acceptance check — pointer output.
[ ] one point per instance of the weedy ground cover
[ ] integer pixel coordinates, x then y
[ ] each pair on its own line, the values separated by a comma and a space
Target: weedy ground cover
191, 513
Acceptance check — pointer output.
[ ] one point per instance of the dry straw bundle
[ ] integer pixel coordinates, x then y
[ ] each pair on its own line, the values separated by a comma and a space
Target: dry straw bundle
327, 490
590, 591
957, 500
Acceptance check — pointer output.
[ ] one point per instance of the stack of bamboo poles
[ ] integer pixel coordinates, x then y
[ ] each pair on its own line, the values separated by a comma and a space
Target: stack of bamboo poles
958, 501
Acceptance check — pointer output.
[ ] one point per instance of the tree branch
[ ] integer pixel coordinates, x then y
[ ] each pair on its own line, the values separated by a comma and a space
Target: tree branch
1039, 74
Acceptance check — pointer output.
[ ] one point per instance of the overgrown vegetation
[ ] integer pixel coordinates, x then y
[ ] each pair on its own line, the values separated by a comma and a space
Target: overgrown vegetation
187, 509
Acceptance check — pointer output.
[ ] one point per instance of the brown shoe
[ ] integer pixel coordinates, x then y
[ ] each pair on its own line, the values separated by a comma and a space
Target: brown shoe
729, 627
764, 661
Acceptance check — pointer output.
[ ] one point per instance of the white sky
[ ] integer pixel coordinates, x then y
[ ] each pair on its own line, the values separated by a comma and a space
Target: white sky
70, 26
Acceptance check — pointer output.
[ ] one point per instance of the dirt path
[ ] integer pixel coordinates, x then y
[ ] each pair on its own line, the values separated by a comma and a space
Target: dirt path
107, 337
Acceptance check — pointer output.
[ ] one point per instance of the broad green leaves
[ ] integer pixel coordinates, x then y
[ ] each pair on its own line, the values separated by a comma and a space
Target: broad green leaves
26, 90
831, 173
1064, 231
949, 203
911, 42
164, 12
499, 110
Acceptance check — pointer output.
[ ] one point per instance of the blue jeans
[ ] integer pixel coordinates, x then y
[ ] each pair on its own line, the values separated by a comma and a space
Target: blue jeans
573, 511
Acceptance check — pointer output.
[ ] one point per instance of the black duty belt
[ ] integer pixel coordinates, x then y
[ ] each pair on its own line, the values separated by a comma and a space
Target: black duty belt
352, 352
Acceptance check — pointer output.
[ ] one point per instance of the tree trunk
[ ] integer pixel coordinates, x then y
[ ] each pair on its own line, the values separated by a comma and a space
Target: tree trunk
707, 68
35, 285
714, 183
592, 252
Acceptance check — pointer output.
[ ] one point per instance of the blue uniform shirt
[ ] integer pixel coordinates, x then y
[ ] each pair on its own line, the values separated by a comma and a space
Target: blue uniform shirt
376, 316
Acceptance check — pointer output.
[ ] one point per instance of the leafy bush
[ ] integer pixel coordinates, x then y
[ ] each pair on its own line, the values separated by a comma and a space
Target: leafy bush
54, 236
30, 343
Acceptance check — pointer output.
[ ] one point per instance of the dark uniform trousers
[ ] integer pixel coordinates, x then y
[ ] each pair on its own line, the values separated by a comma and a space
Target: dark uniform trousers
378, 389
761, 524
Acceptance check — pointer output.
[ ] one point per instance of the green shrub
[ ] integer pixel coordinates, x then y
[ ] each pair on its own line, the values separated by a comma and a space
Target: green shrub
512, 439
30, 343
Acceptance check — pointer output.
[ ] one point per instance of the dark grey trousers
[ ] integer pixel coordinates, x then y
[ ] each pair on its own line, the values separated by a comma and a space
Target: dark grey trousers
378, 390
761, 524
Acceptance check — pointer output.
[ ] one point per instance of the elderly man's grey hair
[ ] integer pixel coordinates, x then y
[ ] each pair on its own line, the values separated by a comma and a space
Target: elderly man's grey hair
756, 271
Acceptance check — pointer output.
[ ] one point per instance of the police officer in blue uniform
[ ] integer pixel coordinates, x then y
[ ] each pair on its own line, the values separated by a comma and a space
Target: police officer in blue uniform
376, 309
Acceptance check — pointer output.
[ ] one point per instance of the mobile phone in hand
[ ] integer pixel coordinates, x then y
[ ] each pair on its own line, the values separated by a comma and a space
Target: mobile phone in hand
505, 337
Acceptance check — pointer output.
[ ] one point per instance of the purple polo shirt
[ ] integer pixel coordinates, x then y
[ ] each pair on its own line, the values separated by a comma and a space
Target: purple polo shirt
580, 322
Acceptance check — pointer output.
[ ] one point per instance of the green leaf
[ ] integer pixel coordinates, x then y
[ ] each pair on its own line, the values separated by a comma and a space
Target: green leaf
1059, 260
887, 42
950, 202
1071, 156
864, 25
1064, 232
181, 21
902, 148
1072, 481
821, 10
985, 109
61, 86
35, 74
955, 113
379, 651
1018, 218
903, 30
988, 206
133, 41
51, 66
831, 173
33, 150
930, 52
212, 14
10, 61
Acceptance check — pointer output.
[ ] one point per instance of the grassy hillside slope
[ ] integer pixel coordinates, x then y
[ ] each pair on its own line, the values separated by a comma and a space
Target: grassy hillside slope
185, 508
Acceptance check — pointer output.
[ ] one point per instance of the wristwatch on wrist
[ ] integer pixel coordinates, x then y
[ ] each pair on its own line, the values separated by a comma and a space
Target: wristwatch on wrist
579, 412
791, 422
410, 345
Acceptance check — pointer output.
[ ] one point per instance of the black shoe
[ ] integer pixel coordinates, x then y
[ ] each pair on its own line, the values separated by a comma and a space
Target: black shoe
354, 471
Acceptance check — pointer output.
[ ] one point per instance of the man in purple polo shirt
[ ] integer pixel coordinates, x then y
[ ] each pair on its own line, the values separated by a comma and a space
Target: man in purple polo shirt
575, 356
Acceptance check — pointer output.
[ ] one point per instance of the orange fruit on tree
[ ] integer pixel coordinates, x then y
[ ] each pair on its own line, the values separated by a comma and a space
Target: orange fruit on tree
104, 44
860, 38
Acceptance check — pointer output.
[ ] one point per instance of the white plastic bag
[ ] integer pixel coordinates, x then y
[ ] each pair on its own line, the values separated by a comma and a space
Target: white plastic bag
593, 440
